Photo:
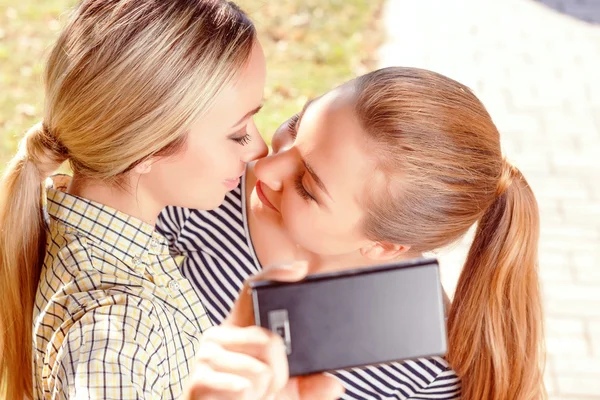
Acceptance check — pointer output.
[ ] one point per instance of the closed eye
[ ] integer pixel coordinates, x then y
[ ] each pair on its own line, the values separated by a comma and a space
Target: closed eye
302, 192
242, 140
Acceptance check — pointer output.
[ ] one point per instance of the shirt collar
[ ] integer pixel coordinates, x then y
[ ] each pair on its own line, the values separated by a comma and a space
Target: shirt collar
128, 238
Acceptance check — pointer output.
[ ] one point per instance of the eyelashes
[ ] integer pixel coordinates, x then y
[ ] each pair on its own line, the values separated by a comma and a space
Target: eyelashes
244, 140
293, 125
302, 192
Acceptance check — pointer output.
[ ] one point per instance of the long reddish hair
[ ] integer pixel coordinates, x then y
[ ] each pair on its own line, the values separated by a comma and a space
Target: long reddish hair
445, 172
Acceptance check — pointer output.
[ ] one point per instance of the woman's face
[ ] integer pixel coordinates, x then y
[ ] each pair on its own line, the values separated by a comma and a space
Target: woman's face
217, 148
314, 183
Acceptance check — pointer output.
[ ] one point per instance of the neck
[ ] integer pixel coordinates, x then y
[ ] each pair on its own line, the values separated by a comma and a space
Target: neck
338, 262
127, 198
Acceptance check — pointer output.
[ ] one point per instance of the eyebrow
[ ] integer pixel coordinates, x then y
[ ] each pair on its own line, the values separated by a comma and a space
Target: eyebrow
248, 115
316, 178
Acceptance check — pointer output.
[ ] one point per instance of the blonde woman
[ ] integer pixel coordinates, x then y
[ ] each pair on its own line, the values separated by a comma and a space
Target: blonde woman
151, 102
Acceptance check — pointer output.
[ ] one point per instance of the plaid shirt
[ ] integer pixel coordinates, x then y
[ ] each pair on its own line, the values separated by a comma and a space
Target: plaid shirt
114, 318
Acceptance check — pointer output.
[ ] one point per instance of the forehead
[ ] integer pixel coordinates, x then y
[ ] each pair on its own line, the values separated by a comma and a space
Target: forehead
244, 92
333, 142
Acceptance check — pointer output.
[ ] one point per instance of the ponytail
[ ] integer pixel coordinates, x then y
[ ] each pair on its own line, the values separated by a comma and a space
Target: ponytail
495, 323
22, 245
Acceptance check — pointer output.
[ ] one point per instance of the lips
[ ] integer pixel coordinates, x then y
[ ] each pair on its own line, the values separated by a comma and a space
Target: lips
262, 197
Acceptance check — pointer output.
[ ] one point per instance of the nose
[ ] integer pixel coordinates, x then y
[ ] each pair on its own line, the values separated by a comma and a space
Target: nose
257, 148
273, 170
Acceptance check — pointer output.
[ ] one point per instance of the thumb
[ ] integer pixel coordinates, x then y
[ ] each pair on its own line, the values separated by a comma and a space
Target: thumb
242, 313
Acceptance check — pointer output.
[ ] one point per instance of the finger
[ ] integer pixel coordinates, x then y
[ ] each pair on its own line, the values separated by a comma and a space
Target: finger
233, 337
256, 342
256, 372
205, 383
222, 360
319, 387
242, 313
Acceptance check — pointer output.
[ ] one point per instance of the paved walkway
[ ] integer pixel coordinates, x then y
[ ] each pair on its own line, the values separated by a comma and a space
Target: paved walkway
536, 66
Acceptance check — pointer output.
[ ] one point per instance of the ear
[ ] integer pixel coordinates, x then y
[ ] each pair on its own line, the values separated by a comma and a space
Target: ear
144, 167
383, 251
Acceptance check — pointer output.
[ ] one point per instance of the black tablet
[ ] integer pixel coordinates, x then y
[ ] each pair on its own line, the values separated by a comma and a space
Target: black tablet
356, 317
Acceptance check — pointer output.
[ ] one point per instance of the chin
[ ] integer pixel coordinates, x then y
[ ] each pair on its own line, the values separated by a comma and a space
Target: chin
202, 203
210, 203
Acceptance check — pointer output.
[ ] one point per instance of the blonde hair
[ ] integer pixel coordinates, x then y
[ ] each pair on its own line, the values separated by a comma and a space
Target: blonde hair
124, 81
441, 153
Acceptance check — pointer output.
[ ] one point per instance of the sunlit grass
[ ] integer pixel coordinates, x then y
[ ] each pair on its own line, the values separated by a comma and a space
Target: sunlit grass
311, 46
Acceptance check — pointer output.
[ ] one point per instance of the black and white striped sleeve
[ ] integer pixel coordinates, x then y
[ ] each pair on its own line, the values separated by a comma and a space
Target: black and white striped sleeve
446, 386
170, 224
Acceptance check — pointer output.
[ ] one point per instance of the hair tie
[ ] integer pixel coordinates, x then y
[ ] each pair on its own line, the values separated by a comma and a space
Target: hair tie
51, 142
506, 178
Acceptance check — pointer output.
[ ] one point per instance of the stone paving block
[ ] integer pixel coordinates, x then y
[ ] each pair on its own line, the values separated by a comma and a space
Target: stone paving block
569, 308
550, 376
551, 274
578, 211
555, 267
550, 244
550, 206
531, 163
593, 95
593, 326
574, 365
571, 162
574, 345
552, 187
578, 123
586, 268
560, 327
594, 190
571, 231
587, 385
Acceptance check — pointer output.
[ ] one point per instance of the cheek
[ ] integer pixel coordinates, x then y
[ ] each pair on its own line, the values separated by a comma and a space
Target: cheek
194, 178
316, 230
301, 223
211, 162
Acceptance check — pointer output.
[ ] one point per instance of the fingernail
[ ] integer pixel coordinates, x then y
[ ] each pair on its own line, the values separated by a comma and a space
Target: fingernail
296, 265
302, 264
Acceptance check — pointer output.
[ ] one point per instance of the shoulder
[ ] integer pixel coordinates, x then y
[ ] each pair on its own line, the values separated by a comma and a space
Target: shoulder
440, 379
73, 255
68, 251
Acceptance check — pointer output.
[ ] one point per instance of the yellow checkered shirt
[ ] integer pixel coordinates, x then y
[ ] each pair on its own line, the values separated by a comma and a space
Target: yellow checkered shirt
114, 318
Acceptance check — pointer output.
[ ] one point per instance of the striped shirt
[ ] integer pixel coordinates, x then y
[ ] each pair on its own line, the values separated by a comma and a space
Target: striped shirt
113, 318
219, 256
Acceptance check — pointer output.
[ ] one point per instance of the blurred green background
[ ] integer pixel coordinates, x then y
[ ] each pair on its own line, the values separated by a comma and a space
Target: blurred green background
311, 46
